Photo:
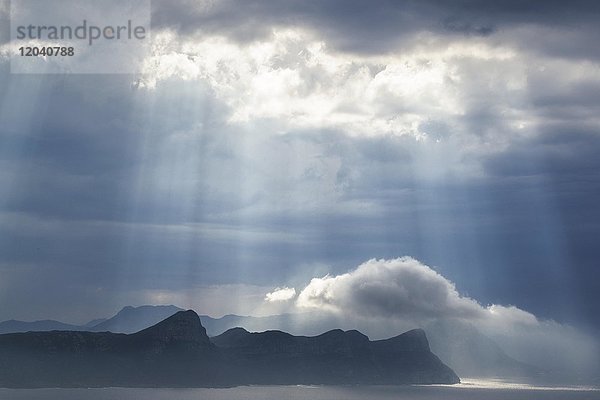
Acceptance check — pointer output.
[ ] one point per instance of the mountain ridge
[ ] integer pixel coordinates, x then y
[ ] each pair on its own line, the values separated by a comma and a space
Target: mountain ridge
14, 326
177, 352
463, 347
129, 319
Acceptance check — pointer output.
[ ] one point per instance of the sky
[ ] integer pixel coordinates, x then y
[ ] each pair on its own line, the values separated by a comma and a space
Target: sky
404, 160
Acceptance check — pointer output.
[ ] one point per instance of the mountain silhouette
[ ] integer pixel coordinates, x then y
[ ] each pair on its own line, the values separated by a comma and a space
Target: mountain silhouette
128, 320
178, 353
335, 357
13, 326
458, 344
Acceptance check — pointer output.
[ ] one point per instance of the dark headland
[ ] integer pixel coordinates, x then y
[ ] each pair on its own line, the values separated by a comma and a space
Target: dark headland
178, 353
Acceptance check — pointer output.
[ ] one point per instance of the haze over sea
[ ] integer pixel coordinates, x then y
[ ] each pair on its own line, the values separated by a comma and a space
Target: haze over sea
468, 390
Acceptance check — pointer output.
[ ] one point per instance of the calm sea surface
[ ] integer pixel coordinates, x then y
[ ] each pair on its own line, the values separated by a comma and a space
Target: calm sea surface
476, 390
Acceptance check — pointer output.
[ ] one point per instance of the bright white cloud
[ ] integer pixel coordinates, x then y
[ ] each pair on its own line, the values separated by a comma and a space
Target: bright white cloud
403, 288
294, 78
281, 294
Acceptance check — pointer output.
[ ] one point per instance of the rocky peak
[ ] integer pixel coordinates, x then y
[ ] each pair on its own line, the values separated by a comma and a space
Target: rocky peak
182, 327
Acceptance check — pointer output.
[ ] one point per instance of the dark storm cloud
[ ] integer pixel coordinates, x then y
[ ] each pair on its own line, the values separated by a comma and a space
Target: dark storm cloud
385, 25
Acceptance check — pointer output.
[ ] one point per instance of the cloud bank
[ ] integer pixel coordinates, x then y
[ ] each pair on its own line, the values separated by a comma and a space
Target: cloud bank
403, 292
403, 288
295, 80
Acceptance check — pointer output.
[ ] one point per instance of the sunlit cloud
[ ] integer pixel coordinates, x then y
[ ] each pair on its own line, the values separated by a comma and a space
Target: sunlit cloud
280, 294
294, 78
403, 288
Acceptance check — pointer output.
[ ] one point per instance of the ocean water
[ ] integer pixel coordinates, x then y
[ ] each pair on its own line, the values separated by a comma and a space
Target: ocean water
469, 390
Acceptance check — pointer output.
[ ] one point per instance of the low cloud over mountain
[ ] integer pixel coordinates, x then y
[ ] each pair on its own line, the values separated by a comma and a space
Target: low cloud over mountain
404, 292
